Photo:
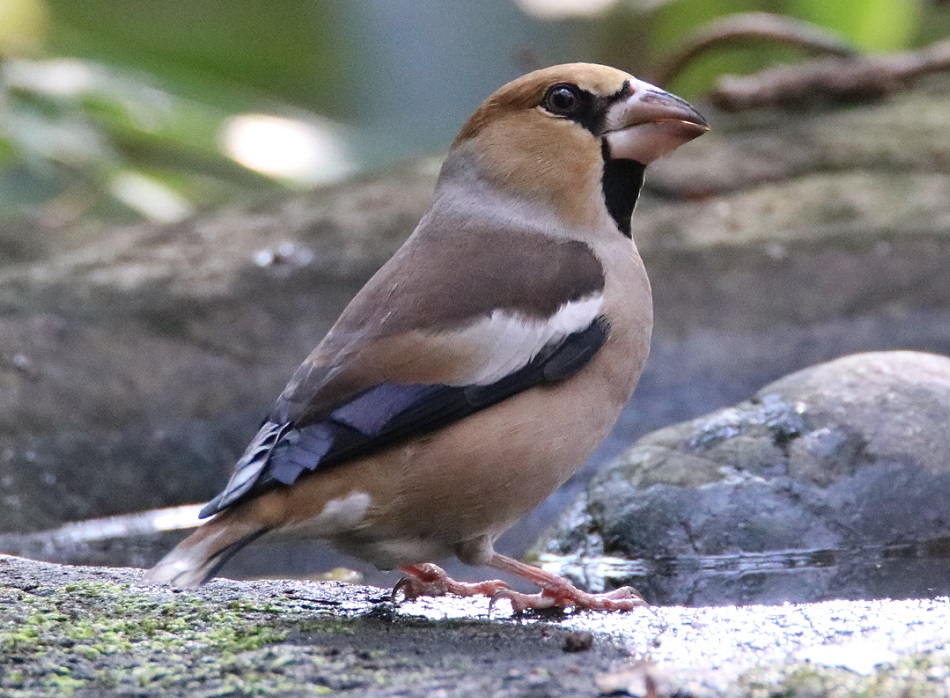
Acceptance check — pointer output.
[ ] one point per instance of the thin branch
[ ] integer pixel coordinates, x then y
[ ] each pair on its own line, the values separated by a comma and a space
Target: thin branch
830, 79
753, 27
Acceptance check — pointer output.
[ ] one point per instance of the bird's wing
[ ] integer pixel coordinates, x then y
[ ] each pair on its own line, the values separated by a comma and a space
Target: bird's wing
428, 341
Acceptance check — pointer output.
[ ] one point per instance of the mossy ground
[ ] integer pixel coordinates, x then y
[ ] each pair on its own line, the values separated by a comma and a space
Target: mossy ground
83, 632
184, 645
99, 637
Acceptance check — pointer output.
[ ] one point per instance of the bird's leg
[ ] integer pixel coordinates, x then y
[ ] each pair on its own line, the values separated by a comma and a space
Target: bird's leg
558, 592
426, 579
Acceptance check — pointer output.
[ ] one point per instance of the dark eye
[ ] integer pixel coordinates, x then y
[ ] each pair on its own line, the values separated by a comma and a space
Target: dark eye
562, 100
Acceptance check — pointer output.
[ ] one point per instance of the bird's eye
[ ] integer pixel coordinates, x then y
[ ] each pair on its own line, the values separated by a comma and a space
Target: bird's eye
562, 100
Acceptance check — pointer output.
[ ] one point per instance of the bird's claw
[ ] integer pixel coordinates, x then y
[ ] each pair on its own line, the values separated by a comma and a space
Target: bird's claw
404, 585
569, 596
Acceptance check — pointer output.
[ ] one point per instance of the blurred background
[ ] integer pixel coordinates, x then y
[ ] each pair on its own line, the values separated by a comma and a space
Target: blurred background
120, 110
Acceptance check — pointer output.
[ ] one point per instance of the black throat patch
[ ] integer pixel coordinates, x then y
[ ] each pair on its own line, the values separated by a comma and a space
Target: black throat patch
621, 183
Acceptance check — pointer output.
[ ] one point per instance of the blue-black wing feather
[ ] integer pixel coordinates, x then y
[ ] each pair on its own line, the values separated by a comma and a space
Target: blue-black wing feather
388, 413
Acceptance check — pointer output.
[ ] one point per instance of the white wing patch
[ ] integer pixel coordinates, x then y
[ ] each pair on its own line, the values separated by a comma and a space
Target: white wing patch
509, 340
338, 515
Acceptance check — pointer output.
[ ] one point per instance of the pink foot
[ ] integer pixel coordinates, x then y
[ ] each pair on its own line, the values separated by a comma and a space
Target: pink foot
427, 579
557, 592
568, 596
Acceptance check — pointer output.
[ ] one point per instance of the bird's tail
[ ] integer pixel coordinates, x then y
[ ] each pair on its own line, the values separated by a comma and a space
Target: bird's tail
199, 557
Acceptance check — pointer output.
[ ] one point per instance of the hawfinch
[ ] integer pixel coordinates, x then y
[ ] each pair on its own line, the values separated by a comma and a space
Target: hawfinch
483, 363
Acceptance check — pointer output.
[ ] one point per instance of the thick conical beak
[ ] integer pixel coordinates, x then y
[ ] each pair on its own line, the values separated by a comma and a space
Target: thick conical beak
650, 123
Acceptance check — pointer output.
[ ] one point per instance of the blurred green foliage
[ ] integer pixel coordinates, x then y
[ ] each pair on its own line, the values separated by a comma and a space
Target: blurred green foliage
872, 25
289, 49
119, 109
129, 125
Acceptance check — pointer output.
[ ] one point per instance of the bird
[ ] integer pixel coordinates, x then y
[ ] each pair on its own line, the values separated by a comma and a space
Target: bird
482, 364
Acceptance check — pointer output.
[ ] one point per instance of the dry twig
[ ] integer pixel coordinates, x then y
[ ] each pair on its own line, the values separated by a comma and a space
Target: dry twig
830, 79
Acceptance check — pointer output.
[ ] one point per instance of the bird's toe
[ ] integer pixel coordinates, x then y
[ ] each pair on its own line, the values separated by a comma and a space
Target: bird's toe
568, 596
431, 580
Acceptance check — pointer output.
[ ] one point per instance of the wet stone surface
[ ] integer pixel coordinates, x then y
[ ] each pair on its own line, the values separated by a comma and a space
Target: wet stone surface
832, 482
84, 631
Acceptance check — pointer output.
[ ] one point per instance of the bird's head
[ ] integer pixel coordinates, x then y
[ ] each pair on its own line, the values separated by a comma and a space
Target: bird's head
577, 136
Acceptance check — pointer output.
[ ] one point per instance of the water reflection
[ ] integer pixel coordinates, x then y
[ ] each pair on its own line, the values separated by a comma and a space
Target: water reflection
900, 571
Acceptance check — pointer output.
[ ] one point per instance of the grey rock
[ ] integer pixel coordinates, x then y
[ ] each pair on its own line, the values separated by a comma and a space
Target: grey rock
135, 364
837, 467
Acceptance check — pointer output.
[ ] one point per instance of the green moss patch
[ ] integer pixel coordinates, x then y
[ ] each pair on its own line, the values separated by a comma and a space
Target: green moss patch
96, 637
